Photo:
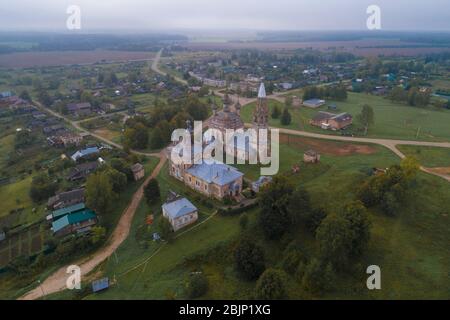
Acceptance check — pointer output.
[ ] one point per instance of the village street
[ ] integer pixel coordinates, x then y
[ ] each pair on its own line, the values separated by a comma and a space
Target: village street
57, 281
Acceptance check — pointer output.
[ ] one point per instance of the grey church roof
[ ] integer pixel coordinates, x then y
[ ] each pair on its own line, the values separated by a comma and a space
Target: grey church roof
217, 173
262, 91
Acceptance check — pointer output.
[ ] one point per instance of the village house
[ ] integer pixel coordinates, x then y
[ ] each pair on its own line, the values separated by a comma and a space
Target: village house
331, 121
74, 222
216, 180
138, 171
107, 107
311, 156
66, 199
81, 171
5, 94
80, 154
59, 213
313, 103
53, 129
65, 139
79, 109
180, 213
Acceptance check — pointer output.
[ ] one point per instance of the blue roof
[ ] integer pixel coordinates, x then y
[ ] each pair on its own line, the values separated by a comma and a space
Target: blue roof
61, 212
314, 101
100, 285
72, 219
217, 173
84, 152
6, 94
179, 208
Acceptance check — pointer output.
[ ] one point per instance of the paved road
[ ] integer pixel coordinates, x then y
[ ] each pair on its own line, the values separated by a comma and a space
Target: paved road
57, 281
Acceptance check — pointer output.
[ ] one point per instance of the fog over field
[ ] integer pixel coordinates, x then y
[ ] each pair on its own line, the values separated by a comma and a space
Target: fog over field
50, 15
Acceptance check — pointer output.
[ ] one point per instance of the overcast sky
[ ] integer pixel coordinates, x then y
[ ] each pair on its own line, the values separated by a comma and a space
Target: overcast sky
157, 15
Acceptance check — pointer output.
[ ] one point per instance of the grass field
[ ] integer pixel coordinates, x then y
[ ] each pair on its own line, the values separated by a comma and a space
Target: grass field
392, 120
428, 156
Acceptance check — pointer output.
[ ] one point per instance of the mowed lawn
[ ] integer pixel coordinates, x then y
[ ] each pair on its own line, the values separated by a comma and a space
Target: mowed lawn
392, 120
428, 156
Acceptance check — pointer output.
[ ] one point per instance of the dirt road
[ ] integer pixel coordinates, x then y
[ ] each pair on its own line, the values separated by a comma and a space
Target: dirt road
57, 281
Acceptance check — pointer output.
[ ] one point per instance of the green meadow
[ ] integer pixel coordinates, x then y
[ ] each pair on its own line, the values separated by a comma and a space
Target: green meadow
392, 120
428, 156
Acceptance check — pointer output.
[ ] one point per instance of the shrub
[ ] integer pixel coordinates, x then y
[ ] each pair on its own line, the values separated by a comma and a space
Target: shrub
197, 285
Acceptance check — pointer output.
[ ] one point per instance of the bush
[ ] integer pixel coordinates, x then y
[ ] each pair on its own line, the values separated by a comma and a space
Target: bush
235, 211
270, 285
197, 285
291, 261
249, 259
243, 222
318, 276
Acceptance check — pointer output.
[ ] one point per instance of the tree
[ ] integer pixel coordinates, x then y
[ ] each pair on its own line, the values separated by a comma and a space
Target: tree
410, 167
291, 261
197, 285
288, 101
25, 95
44, 97
274, 217
42, 187
315, 218
151, 192
122, 166
165, 228
141, 137
357, 215
300, 205
249, 259
270, 285
24, 138
136, 137
366, 117
117, 179
98, 234
335, 237
196, 109
276, 112
286, 117
390, 204
99, 192
318, 276
156, 139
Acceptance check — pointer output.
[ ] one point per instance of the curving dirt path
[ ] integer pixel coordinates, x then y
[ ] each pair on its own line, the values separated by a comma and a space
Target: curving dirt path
57, 281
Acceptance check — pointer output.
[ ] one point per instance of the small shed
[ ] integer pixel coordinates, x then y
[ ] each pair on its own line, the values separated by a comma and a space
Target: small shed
138, 171
311, 156
100, 285
262, 181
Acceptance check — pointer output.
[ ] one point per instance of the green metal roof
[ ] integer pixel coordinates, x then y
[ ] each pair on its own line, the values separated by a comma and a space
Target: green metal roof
62, 212
73, 218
